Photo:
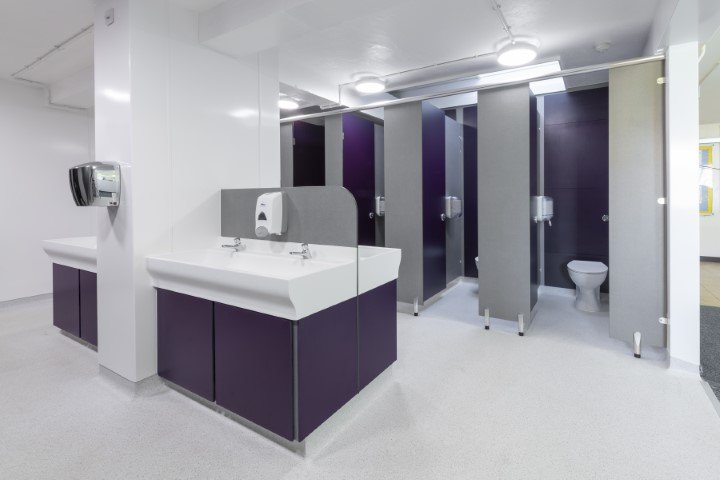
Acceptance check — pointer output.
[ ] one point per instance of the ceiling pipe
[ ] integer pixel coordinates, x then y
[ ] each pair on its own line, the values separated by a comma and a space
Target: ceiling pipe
419, 98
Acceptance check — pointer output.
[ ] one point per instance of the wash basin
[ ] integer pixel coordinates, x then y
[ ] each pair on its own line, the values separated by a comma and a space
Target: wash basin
377, 266
76, 252
262, 276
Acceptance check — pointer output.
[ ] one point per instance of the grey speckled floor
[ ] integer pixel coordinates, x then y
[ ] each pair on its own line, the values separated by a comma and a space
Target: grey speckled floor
562, 402
710, 346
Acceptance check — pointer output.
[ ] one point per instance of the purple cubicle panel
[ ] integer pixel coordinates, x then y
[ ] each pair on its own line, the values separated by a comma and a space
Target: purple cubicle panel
254, 367
359, 171
576, 176
88, 307
470, 193
66, 299
308, 155
327, 357
377, 331
433, 186
185, 341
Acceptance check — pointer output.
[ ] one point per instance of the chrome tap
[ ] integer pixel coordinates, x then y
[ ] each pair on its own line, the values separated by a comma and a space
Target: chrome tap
237, 246
304, 253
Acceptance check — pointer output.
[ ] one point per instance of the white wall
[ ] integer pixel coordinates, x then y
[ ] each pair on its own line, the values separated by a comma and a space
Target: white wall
185, 122
38, 144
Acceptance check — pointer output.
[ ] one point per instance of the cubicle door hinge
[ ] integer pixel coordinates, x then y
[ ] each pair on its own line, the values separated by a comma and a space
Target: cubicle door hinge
663, 320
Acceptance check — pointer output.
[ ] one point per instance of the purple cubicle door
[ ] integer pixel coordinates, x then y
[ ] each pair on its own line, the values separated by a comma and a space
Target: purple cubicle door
88, 307
359, 171
308, 155
576, 176
185, 341
433, 191
327, 359
66, 299
254, 367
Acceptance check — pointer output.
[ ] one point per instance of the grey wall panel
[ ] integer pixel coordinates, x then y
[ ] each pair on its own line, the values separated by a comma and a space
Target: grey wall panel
286, 155
379, 181
503, 202
637, 221
333, 151
453, 186
320, 215
403, 195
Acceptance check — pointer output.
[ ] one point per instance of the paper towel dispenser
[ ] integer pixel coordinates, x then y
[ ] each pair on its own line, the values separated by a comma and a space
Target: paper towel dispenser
95, 184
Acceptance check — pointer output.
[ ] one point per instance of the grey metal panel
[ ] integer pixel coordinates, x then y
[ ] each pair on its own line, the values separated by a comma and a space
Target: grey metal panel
320, 215
379, 180
403, 195
637, 221
286, 155
453, 186
334, 151
503, 202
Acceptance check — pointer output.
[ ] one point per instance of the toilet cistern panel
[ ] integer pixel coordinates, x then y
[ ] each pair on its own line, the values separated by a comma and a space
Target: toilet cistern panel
270, 217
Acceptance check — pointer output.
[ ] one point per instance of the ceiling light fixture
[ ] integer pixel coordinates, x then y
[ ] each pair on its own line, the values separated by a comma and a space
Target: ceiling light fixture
370, 85
513, 51
287, 103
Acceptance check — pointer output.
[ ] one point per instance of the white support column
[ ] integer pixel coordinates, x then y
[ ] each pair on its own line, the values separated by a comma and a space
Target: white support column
683, 247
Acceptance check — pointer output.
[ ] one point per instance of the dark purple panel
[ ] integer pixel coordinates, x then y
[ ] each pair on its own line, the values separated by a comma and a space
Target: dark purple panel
576, 176
185, 341
88, 307
470, 193
66, 299
580, 106
254, 367
377, 331
433, 184
534, 276
359, 171
327, 349
308, 155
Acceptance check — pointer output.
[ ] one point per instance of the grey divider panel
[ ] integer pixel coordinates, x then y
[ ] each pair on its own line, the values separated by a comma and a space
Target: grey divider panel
637, 221
453, 186
333, 150
403, 195
286, 155
319, 215
503, 202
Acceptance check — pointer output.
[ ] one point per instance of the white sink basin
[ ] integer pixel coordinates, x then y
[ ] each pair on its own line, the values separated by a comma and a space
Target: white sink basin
378, 266
262, 277
77, 252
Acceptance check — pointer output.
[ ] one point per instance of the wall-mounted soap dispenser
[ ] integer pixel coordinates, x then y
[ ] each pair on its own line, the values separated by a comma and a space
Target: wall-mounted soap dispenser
270, 216
95, 184
541, 209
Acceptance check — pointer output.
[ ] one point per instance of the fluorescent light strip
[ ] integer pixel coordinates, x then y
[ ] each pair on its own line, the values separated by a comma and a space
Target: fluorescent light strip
527, 73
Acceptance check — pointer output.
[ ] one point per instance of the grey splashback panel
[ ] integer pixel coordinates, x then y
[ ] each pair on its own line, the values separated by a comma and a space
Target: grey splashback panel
319, 215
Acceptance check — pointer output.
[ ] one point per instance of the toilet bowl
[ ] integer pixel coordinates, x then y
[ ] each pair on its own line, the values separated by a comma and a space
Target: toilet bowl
588, 276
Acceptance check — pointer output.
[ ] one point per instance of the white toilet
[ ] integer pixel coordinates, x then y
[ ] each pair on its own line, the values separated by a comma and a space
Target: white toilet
588, 276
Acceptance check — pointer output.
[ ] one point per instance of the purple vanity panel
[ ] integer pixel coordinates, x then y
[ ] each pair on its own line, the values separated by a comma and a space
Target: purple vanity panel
185, 341
576, 176
66, 299
377, 331
433, 186
470, 193
308, 155
88, 307
254, 367
359, 171
327, 356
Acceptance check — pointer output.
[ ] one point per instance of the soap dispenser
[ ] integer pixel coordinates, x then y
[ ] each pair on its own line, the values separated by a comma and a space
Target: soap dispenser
270, 217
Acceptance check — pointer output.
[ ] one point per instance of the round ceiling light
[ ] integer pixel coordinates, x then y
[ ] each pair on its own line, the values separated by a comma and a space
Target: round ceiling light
287, 103
370, 85
517, 52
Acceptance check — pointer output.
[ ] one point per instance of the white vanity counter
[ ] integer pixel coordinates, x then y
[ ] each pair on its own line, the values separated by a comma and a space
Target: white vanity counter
76, 252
